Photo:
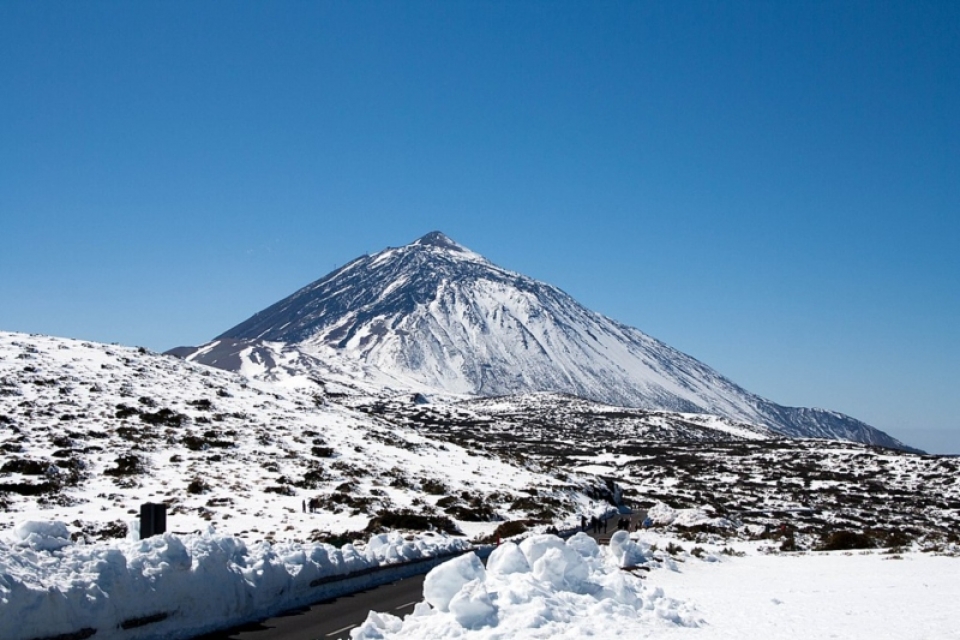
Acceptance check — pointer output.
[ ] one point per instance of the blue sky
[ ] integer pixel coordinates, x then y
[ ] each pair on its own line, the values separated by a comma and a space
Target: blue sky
771, 187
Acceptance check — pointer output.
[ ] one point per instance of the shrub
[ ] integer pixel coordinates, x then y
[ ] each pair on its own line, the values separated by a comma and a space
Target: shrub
481, 513
281, 489
164, 417
434, 487
197, 485
313, 478
846, 540
127, 464
405, 519
201, 405
25, 466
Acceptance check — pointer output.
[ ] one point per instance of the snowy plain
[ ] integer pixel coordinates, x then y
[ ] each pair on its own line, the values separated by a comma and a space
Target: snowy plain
711, 596
847, 595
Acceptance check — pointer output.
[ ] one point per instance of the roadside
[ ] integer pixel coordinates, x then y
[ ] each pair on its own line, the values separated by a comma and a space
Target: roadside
331, 619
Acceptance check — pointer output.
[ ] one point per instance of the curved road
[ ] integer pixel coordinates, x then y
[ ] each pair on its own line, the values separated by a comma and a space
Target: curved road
333, 619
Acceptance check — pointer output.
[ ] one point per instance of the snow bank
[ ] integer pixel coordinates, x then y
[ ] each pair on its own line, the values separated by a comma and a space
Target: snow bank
173, 586
662, 514
541, 588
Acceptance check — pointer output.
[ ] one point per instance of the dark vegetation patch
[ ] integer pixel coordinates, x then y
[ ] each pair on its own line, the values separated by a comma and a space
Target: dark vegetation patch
411, 521
197, 485
208, 440
26, 467
91, 532
164, 417
847, 540
203, 404
128, 464
508, 530
339, 502
313, 478
434, 487
281, 489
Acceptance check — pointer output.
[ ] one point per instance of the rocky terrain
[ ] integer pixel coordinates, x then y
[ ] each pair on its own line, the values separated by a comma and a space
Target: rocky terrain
730, 480
89, 432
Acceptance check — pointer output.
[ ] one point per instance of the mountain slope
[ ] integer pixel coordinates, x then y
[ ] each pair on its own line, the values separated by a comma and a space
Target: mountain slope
89, 432
442, 317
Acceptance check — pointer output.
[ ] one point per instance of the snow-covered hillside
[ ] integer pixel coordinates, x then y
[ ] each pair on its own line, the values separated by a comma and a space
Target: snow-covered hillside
433, 315
88, 432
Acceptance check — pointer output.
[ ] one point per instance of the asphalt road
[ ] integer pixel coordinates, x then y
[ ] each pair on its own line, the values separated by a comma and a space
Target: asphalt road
333, 619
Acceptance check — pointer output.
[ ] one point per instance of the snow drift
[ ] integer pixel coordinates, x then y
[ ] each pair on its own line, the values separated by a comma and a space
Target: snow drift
542, 588
174, 586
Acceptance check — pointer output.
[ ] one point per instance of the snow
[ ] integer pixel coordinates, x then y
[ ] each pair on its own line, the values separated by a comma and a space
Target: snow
824, 595
443, 583
252, 445
758, 596
662, 514
179, 586
556, 589
191, 584
437, 317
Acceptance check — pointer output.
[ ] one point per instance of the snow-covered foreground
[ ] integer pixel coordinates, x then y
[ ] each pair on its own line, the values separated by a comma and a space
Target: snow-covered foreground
543, 590
827, 595
174, 586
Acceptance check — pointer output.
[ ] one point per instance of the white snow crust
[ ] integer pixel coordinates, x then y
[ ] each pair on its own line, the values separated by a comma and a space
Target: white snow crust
51, 586
542, 588
756, 596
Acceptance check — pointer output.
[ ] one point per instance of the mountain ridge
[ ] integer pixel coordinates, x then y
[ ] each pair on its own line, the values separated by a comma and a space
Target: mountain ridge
445, 318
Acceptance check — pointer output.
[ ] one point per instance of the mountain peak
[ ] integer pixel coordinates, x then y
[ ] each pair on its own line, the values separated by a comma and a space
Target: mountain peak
438, 239
441, 317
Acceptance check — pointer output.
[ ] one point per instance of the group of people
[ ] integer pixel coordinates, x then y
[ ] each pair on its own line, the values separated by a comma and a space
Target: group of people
596, 524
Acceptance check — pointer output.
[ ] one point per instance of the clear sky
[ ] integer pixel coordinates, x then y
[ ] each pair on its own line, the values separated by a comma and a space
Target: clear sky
771, 187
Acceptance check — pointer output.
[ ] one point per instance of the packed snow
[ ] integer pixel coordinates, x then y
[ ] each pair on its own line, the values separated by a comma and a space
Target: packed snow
641, 585
544, 588
174, 586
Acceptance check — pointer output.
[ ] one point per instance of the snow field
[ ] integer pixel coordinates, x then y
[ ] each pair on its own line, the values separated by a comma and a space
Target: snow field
852, 596
543, 588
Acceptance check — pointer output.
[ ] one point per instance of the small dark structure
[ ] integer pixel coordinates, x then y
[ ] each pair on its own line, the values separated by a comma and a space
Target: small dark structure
153, 519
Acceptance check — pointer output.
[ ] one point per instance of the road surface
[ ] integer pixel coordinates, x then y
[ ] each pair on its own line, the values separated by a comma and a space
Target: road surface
331, 619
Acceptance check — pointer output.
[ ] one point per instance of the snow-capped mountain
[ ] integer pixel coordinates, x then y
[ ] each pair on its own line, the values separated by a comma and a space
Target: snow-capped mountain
436, 316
